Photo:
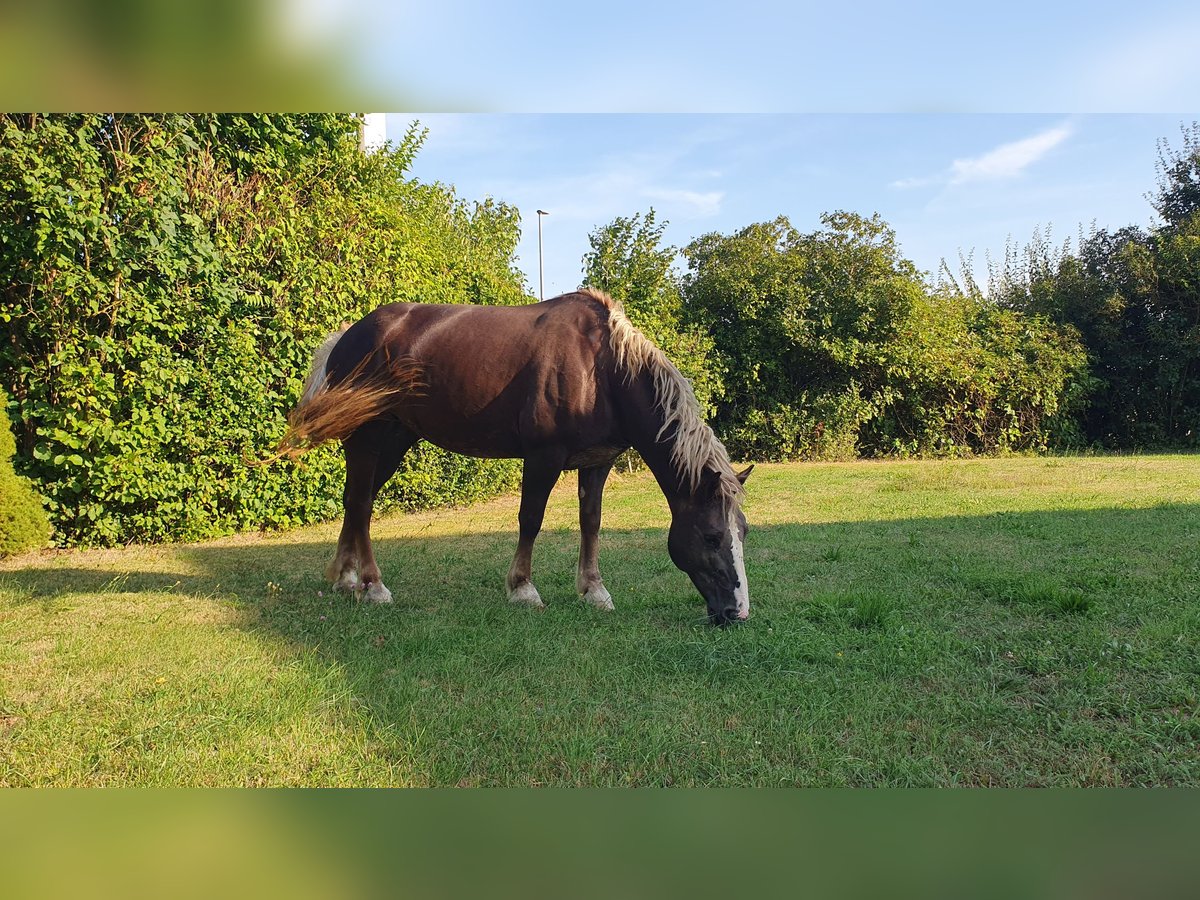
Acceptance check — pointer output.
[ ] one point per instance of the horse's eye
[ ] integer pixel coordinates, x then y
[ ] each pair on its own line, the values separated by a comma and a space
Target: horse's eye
714, 539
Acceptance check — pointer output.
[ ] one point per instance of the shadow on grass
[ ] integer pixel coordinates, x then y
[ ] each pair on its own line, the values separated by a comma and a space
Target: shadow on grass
1011, 648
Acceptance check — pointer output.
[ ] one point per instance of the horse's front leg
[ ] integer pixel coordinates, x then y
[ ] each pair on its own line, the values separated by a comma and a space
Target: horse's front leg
538, 478
587, 577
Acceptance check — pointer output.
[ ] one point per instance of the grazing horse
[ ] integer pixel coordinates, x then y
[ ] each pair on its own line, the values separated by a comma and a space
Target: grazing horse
564, 384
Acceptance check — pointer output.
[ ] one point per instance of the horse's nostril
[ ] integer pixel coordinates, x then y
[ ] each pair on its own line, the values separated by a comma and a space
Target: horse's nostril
723, 615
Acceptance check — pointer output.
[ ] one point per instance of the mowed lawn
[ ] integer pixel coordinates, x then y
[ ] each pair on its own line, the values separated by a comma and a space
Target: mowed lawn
1023, 621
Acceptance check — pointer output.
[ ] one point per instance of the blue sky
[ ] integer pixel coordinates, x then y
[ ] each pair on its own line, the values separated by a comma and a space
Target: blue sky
944, 182
781, 55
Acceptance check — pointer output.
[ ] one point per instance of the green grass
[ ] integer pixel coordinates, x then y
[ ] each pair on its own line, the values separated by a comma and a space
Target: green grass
993, 622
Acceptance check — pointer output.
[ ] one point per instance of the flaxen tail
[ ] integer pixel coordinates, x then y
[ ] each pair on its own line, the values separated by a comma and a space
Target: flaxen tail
332, 412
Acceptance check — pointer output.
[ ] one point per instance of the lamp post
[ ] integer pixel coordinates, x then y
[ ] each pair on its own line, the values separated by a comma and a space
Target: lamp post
541, 271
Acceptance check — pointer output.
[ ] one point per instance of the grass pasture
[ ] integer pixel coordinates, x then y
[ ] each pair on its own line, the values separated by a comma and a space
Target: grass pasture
1022, 621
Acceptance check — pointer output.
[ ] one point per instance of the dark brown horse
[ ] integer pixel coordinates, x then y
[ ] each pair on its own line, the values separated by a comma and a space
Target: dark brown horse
564, 384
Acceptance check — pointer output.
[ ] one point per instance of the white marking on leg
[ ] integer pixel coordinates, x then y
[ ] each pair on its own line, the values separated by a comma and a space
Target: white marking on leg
741, 593
597, 595
592, 589
526, 593
348, 582
377, 592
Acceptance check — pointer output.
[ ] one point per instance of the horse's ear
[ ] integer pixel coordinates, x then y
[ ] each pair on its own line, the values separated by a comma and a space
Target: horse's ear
710, 483
745, 473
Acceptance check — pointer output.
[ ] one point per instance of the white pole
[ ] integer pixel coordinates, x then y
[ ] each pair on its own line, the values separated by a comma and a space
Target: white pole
372, 131
541, 270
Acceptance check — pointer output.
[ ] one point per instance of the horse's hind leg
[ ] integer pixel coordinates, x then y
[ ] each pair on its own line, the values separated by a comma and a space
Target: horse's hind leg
587, 579
373, 453
537, 481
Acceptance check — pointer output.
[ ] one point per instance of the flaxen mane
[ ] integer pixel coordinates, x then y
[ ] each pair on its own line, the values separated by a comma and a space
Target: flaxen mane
696, 447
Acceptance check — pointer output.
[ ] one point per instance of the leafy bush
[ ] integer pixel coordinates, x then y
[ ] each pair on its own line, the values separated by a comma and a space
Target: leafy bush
966, 377
165, 279
813, 426
23, 523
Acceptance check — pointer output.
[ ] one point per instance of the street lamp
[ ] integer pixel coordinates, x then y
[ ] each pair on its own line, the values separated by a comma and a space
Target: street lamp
541, 271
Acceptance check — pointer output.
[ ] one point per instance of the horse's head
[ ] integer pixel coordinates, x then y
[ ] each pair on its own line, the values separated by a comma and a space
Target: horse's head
707, 532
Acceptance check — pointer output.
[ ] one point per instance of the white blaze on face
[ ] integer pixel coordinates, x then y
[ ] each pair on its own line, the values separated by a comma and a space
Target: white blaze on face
742, 592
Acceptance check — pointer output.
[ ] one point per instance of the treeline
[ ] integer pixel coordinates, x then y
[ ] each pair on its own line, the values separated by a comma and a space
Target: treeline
163, 281
830, 344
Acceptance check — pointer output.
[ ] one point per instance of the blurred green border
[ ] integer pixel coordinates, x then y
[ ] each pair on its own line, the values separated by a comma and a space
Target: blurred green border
600, 844
156, 56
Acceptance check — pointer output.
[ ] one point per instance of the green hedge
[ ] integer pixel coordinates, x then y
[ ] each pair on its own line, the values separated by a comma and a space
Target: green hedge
165, 279
966, 377
834, 346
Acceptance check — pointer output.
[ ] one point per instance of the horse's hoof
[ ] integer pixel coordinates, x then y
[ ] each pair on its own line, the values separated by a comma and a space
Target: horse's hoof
527, 594
378, 593
348, 583
600, 598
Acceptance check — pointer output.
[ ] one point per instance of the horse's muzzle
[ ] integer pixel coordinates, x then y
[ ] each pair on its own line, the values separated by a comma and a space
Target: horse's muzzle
728, 615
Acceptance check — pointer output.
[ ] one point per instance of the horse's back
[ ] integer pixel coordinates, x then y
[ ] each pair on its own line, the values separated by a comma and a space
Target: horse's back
496, 380
430, 331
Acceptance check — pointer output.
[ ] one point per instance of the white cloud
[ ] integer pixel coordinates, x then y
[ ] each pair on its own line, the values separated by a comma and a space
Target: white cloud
1008, 160
616, 186
699, 203
1003, 162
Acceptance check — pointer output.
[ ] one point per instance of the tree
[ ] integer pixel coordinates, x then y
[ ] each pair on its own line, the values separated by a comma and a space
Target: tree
628, 261
801, 323
1178, 198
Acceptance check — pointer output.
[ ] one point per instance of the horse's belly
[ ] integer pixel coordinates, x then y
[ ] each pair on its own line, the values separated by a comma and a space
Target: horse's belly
462, 435
601, 455
498, 429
